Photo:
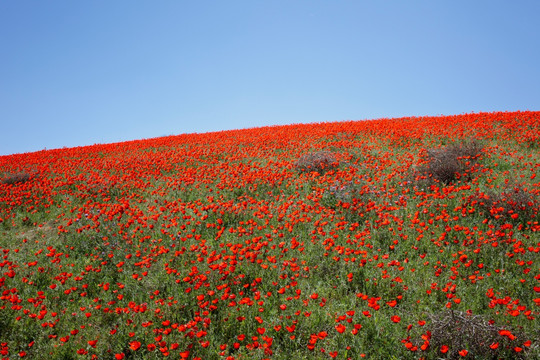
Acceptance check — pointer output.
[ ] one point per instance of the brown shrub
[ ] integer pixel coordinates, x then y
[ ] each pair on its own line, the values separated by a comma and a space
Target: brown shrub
459, 330
514, 204
451, 162
320, 161
16, 178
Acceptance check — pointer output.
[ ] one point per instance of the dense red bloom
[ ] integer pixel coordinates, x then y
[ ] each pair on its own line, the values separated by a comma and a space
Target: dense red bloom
340, 328
175, 238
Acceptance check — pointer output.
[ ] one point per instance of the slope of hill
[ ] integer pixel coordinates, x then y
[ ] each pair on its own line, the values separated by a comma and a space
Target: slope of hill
391, 238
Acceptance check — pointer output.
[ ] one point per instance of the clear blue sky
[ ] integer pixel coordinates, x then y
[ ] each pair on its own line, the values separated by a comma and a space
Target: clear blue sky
83, 72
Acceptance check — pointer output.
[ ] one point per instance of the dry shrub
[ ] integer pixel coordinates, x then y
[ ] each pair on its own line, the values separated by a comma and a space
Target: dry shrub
16, 178
514, 204
320, 161
451, 162
459, 330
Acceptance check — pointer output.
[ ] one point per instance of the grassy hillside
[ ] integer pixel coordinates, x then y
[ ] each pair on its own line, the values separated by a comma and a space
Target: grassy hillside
386, 239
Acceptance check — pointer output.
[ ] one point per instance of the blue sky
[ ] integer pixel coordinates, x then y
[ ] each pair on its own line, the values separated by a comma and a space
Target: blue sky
76, 73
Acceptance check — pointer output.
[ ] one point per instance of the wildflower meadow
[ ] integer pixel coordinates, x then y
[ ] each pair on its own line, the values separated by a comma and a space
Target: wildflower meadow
409, 238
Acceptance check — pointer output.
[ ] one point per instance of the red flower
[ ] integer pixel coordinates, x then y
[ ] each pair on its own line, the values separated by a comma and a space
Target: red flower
340, 328
134, 345
507, 334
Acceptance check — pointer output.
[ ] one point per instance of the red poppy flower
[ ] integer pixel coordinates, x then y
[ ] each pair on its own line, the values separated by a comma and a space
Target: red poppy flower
340, 328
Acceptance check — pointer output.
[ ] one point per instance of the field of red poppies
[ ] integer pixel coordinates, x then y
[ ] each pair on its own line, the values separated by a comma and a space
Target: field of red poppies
386, 239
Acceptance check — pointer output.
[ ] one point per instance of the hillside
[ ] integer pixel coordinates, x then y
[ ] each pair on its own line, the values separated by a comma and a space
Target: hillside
383, 239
